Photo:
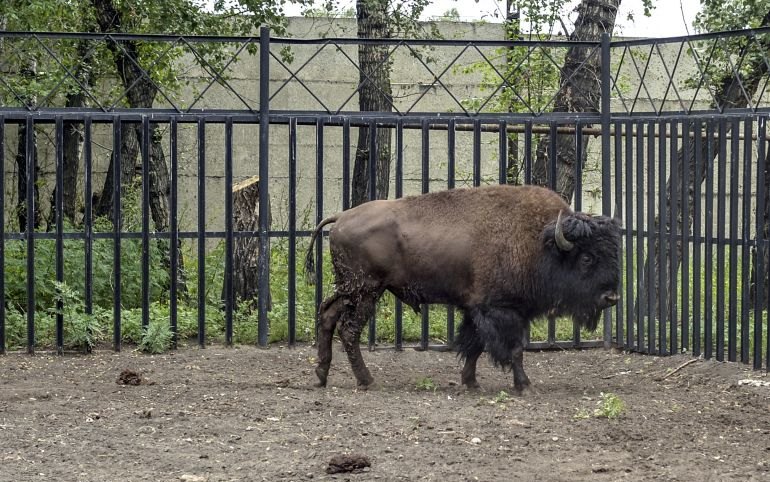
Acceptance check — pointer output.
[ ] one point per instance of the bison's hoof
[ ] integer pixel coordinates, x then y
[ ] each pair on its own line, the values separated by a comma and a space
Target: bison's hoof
472, 385
322, 375
525, 390
365, 383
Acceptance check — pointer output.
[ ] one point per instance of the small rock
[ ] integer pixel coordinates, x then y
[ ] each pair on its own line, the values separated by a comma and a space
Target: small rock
475, 440
192, 478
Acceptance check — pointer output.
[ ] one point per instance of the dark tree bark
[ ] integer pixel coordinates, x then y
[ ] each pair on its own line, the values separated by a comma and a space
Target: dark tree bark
141, 94
246, 249
73, 141
729, 95
375, 95
580, 94
29, 72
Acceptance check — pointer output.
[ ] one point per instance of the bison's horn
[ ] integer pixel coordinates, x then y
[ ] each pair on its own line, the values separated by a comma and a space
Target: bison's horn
561, 241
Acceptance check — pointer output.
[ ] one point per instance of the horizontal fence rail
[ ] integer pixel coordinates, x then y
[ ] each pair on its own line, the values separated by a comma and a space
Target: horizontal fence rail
188, 222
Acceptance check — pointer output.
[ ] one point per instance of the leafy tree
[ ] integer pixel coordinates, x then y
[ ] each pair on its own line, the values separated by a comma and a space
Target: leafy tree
579, 91
733, 84
380, 19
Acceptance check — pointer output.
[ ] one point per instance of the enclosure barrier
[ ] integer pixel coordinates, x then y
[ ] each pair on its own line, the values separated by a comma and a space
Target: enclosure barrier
684, 164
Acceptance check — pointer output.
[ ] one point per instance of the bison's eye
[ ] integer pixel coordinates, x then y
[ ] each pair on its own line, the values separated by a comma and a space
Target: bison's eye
586, 260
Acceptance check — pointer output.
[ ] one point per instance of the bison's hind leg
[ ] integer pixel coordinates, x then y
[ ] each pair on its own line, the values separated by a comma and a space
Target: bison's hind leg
328, 314
349, 328
469, 347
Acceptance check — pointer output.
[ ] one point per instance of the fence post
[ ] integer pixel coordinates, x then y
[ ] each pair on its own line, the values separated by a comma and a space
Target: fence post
606, 143
263, 266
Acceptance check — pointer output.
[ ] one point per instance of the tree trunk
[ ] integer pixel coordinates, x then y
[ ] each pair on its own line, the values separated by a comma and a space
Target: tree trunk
374, 95
29, 72
246, 249
730, 94
579, 92
73, 141
141, 94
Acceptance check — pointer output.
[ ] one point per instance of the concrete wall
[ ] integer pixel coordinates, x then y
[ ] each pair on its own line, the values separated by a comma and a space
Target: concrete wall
333, 79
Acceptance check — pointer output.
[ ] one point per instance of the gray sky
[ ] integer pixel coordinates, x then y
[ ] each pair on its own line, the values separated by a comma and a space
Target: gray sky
669, 19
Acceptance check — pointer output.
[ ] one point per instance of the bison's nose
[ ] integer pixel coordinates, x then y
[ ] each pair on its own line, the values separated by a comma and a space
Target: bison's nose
610, 298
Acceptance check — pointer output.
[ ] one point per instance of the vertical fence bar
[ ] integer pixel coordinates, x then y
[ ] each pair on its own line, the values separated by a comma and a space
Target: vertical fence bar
579, 204
685, 200
673, 247
174, 232
552, 156
606, 156
319, 214
59, 207
721, 220
201, 232
373, 158
228, 275
399, 315
145, 148
476, 152
651, 252
117, 135
630, 222
2, 234
746, 237
425, 188
292, 288
451, 166
345, 162
30, 232
551, 337
640, 229
733, 276
502, 152
528, 152
618, 206
663, 255
709, 247
263, 263
88, 225
759, 288
698, 241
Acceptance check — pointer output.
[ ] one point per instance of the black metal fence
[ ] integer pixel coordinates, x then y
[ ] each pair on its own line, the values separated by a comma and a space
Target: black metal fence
684, 161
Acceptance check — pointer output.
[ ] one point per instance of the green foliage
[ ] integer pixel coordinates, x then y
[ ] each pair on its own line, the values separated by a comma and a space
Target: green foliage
426, 384
721, 15
610, 406
55, 60
502, 397
156, 338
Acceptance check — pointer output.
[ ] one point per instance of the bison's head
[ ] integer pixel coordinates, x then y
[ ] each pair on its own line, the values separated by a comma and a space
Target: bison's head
581, 269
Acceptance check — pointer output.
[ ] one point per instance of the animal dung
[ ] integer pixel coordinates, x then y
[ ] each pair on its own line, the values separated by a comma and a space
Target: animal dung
348, 463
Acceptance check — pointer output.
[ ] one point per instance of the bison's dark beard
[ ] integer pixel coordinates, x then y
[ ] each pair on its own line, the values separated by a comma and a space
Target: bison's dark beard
587, 318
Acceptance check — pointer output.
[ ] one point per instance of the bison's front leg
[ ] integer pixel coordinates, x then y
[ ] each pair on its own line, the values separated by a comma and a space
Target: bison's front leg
469, 346
520, 379
349, 328
503, 331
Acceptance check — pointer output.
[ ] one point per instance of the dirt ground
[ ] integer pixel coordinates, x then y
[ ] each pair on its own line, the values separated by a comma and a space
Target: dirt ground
253, 414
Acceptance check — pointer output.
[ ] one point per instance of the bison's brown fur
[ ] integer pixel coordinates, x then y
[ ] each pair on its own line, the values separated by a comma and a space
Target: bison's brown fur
484, 250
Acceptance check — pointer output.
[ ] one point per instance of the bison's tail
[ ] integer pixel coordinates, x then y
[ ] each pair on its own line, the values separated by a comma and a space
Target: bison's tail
310, 276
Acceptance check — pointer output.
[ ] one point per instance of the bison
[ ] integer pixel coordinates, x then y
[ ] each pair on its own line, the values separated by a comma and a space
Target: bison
503, 255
